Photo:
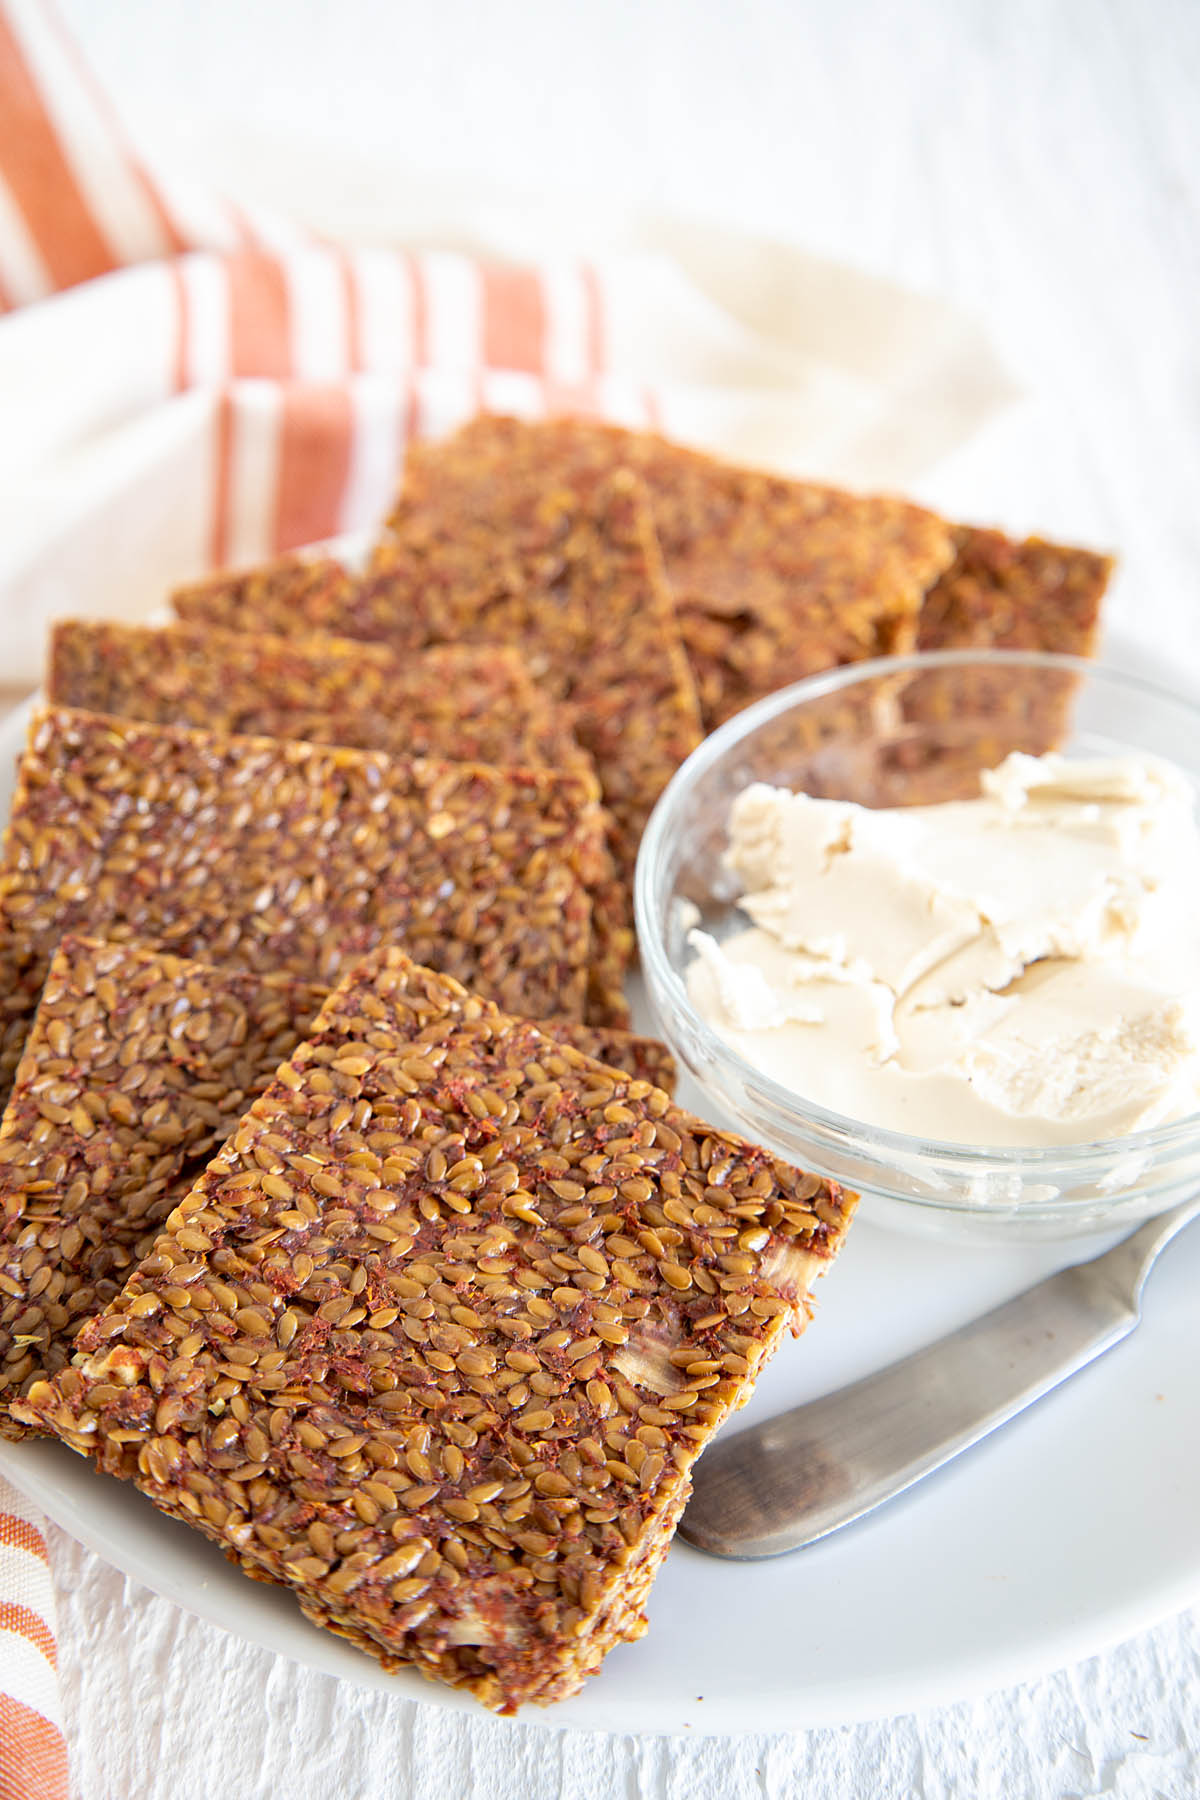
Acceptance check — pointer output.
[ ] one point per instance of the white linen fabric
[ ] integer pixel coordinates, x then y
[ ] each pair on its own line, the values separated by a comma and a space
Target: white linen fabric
157, 1703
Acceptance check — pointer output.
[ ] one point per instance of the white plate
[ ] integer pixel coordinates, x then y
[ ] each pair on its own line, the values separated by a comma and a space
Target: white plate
1068, 1531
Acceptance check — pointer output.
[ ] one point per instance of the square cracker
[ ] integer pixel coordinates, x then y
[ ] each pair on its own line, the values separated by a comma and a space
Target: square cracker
1003, 593
294, 857
491, 540
285, 594
1000, 593
469, 703
137, 1066
772, 578
439, 1333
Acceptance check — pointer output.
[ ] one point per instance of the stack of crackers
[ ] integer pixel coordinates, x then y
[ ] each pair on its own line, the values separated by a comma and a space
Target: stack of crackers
342, 1211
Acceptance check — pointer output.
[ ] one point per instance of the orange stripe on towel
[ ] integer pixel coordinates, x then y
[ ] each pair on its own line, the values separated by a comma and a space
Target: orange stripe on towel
173, 238
355, 360
317, 435
218, 542
259, 317
594, 329
40, 177
21, 1535
33, 1756
28, 1624
514, 319
180, 361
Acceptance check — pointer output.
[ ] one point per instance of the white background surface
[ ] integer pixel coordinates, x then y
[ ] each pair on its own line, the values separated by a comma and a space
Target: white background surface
1038, 163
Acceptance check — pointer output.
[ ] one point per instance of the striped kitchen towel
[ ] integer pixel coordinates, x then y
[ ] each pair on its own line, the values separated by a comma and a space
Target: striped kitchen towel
191, 380
33, 1757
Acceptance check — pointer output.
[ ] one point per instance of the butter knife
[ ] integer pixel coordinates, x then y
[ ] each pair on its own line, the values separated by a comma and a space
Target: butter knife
795, 1478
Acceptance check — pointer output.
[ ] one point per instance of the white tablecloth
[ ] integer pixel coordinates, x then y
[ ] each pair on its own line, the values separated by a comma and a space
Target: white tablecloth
159, 1704
1036, 162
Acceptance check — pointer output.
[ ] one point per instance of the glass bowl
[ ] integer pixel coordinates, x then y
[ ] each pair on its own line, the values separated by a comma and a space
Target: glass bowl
904, 730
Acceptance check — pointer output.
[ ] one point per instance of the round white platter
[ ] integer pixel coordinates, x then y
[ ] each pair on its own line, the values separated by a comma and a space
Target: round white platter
1071, 1529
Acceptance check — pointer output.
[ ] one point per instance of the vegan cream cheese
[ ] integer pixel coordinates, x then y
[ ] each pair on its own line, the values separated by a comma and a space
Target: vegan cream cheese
1021, 968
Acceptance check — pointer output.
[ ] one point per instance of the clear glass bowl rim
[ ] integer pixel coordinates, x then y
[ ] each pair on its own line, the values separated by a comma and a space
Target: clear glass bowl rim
1092, 1159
